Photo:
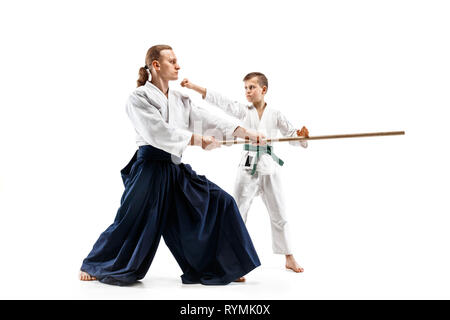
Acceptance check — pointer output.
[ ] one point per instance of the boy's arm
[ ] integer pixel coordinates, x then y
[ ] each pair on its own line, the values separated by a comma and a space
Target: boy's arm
288, 130
233, 108
203, 121
187, 84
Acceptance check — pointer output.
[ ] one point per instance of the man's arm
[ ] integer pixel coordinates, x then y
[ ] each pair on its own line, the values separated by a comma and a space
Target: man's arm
153, 129
213, 125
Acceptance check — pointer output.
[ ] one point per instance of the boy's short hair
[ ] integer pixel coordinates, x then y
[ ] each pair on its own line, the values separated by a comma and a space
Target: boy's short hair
262, 79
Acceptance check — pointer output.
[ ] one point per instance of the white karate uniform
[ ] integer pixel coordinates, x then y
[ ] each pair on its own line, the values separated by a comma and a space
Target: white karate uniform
167, 123
266, 181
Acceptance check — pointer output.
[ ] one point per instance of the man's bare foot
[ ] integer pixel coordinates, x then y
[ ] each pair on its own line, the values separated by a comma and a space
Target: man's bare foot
292, 264
84, 276
241, 279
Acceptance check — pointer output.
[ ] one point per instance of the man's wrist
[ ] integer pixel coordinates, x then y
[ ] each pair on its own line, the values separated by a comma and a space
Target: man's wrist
239, 132
196, 140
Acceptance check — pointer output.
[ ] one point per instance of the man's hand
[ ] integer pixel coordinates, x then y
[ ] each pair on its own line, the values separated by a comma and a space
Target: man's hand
256, 137
209, 143
206, 142
252, 135
303, 132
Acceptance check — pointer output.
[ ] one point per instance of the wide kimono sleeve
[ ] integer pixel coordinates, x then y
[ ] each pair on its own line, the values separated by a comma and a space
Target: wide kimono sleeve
233, 108
148, 122
205, 122
288, 130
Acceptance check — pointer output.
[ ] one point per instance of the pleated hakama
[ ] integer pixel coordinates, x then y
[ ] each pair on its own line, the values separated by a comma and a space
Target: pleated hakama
199, 222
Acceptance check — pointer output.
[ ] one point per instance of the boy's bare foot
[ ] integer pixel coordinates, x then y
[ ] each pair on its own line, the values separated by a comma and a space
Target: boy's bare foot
292, 264
241, 279
84, 276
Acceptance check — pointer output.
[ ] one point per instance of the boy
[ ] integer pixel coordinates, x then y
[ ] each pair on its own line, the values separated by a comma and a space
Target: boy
258, 173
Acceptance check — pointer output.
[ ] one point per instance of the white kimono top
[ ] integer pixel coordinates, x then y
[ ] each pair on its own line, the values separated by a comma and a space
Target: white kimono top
270, 123
167, 123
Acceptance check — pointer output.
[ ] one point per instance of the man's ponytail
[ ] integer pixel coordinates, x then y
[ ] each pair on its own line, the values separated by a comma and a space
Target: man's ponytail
143, 76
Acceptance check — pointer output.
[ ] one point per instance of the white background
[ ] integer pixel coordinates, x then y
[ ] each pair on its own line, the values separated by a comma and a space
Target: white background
369, 217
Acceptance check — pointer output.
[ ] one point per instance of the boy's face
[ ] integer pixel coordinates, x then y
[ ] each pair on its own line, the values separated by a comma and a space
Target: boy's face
253, 91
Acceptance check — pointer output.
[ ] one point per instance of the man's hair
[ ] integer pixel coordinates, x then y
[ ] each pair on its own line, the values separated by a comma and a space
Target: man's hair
262, 79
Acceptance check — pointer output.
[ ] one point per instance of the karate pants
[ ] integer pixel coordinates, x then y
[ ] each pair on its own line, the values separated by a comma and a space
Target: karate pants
248, 186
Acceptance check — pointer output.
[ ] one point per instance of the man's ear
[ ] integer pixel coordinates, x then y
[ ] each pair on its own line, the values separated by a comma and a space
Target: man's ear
155, 65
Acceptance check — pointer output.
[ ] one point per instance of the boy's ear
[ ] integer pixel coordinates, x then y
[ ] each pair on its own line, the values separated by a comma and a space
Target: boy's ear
264, 89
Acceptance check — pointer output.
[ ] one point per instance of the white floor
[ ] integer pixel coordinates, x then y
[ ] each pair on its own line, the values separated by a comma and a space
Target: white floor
329, 274
264, 283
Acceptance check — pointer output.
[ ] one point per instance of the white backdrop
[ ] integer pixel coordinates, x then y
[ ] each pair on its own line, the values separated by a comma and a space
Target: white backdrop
369, 216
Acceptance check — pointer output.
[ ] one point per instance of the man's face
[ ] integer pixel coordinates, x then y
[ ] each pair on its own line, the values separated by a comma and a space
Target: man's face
168, 65
253, 91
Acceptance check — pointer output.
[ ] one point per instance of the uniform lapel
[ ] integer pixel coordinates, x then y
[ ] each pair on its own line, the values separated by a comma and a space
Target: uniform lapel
160, 98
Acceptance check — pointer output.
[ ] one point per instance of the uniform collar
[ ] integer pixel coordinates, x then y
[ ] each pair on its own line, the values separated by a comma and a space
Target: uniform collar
151, 86
251, 106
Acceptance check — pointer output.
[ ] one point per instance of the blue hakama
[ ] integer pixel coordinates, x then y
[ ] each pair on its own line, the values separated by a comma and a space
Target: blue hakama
200, 224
